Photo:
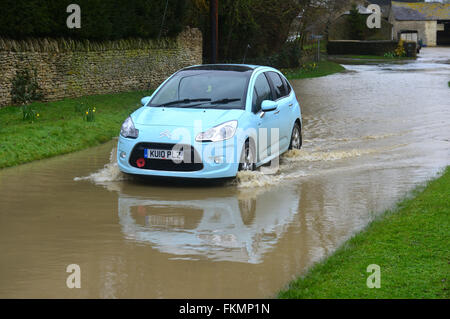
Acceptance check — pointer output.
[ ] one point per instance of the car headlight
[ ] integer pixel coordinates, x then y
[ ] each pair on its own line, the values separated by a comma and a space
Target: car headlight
128, 129
218, 133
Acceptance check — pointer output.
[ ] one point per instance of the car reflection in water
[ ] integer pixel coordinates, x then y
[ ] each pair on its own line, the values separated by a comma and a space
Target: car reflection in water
222, 228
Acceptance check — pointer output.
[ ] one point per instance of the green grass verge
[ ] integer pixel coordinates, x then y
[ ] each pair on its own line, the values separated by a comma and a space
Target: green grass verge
60, 129
410, 244
323, 68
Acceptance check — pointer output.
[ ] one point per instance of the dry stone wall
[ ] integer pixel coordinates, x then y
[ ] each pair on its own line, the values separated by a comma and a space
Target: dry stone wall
71, 69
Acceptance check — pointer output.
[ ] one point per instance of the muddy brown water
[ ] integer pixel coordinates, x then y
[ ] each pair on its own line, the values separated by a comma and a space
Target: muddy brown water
371, 135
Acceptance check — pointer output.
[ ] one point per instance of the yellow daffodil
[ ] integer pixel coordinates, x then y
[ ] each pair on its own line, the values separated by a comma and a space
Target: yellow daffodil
37, 115
87, 112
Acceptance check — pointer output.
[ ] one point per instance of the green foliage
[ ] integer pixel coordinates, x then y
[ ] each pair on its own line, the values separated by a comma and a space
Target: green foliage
410, 244
262, 24
29, 114
357, 24
360, 48
89, 115
79, 108
287, 57
100, 20
389, 55
25, 88
313, 70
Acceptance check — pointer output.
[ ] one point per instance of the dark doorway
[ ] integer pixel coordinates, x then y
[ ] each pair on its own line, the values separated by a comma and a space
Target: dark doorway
443, 35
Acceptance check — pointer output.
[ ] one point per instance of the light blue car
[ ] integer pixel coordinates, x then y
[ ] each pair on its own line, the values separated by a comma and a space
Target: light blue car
211, 121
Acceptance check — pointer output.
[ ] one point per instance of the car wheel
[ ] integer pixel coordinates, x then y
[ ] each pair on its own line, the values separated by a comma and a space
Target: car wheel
296, 138
247, 162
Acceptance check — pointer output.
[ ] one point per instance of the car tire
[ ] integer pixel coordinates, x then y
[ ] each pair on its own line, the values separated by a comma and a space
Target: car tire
247, 162
296, 138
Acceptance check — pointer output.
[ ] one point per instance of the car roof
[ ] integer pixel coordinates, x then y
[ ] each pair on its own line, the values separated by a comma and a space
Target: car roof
224, 67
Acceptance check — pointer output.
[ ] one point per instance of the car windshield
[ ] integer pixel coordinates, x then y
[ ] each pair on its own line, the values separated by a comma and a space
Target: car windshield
204, 88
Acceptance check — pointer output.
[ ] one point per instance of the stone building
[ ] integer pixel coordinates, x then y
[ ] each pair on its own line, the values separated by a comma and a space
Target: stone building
402, 19
426, 21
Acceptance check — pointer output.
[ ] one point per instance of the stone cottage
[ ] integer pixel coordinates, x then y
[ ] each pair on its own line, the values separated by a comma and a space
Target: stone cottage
426, 21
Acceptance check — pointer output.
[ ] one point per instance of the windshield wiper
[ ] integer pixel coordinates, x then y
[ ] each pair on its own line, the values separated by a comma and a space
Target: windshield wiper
185, 101
221, 101
225, 101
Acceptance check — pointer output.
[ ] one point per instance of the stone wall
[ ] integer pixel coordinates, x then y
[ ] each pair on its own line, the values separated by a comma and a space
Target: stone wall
71, 69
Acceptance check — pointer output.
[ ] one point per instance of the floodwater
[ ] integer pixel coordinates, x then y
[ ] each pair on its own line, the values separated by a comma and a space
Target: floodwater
371, 135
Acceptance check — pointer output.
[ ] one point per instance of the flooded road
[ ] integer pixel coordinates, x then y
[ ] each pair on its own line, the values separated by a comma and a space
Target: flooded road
371, 135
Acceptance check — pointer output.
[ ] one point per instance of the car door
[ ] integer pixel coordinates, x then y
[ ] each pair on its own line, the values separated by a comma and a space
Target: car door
266, 121
281, 96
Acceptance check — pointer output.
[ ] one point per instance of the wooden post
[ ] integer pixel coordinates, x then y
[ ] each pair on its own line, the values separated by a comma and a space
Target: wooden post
213, 5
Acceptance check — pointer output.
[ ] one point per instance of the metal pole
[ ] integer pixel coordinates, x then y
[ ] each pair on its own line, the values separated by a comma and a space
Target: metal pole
213, 6
318, 50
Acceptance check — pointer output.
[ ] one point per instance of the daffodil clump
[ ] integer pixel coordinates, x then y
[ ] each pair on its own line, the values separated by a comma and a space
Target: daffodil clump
28, 114
89, 115
310, 66
400, 50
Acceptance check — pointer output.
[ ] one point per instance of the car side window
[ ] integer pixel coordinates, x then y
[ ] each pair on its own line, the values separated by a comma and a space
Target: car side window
261, 92
280, 89
286, 85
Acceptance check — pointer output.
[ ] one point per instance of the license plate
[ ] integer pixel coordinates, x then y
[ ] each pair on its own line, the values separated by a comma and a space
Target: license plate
163, 154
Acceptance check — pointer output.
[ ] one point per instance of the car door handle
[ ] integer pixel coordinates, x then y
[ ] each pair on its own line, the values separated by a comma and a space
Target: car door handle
277, 112
290, 105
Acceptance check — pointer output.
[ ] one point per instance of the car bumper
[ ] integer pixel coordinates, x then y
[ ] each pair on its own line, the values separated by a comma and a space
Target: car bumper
223, 168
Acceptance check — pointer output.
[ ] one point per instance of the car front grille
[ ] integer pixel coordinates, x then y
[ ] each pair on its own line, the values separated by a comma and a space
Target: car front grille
187, 165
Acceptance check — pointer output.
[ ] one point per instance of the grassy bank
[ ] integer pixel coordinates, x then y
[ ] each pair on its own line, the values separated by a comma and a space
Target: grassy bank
410, 244
61, 127
314, 70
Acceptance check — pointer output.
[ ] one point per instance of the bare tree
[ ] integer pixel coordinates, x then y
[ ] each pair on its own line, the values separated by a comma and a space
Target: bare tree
315, 16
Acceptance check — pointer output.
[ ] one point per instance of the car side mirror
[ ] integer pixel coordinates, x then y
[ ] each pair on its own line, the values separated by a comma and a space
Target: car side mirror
268, 106
145, 100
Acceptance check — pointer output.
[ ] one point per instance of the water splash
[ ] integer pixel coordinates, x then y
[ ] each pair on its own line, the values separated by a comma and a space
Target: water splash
258, 179
109, 173
303, 155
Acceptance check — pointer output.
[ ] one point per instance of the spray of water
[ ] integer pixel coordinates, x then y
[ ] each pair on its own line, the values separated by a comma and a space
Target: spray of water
109, 173
288, 169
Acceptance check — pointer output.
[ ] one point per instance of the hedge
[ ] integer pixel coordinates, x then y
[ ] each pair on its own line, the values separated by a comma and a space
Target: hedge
100, 19
361, 47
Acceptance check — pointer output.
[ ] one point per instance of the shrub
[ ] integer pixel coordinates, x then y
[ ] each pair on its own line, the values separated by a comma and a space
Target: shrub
356, 24
25, 88
100, 19
288, 57
361, 47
